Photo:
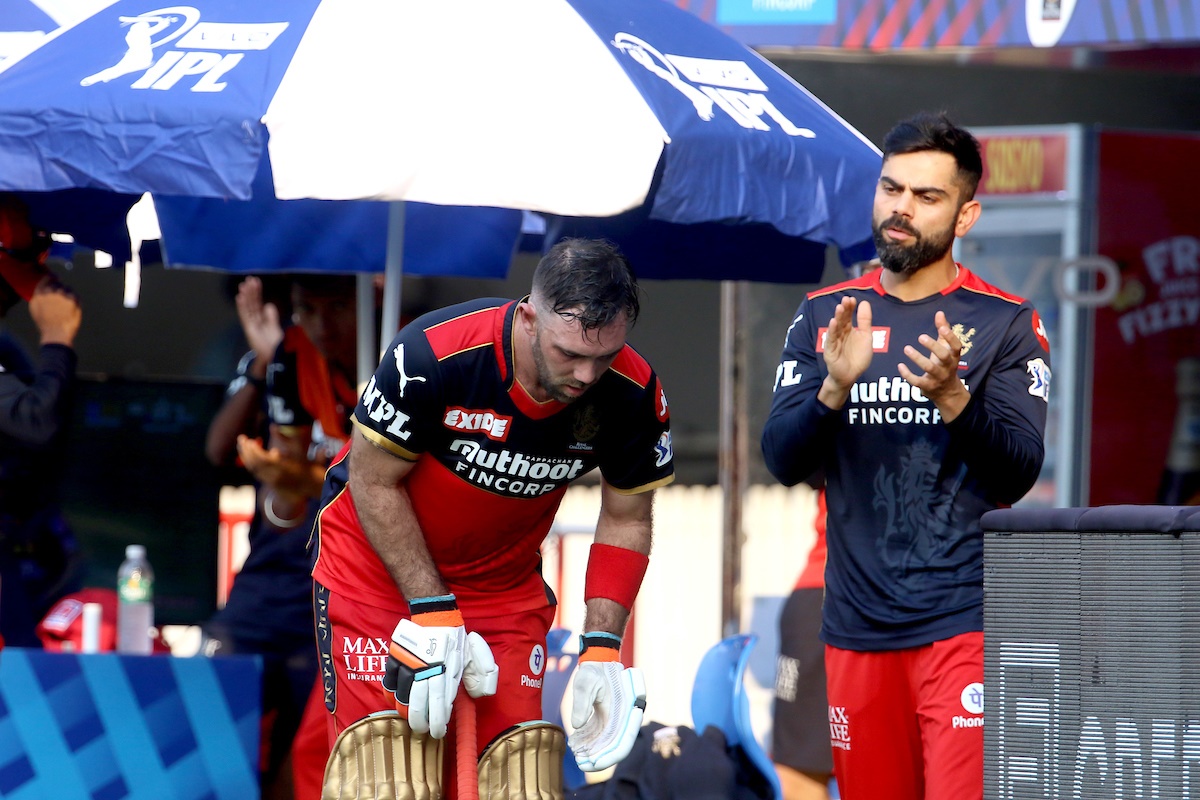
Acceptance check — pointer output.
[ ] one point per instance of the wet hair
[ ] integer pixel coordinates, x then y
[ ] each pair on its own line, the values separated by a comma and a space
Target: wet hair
588, 280
927, 131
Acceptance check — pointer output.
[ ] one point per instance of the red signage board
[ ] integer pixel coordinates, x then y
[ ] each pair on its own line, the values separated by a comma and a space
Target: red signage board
1147, 223
1016, 165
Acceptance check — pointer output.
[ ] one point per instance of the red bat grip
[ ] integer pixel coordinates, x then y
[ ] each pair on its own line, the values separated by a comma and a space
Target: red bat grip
466, 757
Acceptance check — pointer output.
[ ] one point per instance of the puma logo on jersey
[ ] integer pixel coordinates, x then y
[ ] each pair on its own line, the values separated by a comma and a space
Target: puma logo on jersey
404, 379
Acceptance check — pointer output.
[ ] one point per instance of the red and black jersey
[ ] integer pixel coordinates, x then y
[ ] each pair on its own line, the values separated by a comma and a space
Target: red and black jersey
906, 490
492, 464
303, 391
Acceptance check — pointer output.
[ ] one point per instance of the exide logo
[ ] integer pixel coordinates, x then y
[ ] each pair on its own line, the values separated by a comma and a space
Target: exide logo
489, 422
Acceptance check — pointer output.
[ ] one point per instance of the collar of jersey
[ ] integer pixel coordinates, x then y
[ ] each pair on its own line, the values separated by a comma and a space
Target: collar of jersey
959, 278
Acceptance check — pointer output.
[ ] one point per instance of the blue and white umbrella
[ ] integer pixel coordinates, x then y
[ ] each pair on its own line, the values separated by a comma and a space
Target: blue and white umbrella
573, 108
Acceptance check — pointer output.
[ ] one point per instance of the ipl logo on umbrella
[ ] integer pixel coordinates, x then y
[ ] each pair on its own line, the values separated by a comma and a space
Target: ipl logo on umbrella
731, 86
197, 40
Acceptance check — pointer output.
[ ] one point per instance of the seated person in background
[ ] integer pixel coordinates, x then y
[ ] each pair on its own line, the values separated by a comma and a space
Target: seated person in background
38, 553
298, 380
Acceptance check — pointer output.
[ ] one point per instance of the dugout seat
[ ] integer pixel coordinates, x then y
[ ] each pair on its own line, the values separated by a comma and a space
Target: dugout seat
555, 679
719, 698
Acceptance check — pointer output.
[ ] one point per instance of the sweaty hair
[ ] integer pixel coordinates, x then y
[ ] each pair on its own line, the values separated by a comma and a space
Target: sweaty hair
588, 280
936, 132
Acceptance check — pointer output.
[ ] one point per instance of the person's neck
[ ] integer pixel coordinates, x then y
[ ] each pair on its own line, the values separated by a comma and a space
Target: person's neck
925, 282
524, 370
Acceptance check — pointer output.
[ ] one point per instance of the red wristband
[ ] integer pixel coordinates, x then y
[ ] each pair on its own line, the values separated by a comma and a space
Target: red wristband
614, 573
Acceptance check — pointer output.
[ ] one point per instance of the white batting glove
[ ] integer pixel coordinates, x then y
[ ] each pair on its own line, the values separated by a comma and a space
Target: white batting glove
425, 663
608, 702
481, 675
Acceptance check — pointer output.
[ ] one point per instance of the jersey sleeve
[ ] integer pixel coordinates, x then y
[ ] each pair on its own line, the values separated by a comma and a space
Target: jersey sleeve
34, 413
798, 427
643, 458
1000, 432
399, 408
283, 391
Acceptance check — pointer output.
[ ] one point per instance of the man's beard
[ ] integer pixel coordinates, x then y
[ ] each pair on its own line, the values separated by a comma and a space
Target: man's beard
905, 259
545, 379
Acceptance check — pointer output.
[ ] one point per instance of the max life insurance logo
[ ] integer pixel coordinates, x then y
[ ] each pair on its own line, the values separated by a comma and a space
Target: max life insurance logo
167, 45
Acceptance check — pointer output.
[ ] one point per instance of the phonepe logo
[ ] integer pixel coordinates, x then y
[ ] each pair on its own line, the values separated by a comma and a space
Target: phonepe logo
203, 51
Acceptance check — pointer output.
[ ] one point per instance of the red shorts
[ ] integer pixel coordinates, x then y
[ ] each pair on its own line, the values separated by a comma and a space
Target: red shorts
353, 641
908, 724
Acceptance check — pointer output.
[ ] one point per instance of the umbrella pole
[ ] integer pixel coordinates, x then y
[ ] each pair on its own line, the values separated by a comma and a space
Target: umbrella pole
394, 272
368, 355
731, 465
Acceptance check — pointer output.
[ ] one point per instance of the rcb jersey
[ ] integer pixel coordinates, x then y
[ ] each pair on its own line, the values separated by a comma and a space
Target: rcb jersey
905, 489
491, 463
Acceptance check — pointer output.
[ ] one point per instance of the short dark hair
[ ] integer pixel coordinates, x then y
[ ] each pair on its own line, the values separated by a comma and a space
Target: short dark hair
928, 131
326, 284
589, 280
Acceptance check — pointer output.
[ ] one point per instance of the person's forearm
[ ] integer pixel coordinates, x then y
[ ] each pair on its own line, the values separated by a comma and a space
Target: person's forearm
390, 525
797, 438
220, 444
625, 523
1005, 458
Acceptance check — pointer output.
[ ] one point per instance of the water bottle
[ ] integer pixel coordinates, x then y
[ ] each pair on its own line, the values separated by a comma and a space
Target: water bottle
135, 602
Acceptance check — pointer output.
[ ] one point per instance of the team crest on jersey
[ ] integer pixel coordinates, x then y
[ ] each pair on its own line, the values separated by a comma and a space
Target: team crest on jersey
587, 423
964, 336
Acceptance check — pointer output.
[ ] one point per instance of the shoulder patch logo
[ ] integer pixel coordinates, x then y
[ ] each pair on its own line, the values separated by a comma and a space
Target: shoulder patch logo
404, 379
662, 449
660, 402
1039, 330
1039, 378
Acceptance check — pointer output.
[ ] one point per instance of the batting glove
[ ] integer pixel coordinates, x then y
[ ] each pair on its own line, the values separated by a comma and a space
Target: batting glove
481, 674
425, 663
608, 701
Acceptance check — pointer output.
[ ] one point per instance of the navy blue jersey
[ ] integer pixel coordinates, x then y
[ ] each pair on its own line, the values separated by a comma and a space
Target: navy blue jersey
905, 490
304, 392
492, 463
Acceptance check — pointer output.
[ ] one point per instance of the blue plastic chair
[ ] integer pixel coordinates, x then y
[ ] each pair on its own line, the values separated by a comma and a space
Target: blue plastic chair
555, 678
719, 699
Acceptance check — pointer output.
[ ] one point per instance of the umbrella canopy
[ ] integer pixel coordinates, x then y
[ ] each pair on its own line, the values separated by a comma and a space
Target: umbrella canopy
575, 108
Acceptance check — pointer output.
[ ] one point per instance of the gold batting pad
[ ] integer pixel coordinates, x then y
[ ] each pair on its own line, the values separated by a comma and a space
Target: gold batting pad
524, 763
380, 758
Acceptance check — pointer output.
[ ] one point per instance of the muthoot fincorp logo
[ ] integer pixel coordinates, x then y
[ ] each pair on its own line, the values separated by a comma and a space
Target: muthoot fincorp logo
501, 469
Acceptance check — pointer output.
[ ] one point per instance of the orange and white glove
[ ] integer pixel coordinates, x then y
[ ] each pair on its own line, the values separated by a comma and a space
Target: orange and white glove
608, 702
426, 662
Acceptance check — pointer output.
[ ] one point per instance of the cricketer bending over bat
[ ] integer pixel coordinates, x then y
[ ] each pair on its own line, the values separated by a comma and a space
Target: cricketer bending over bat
476, 421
